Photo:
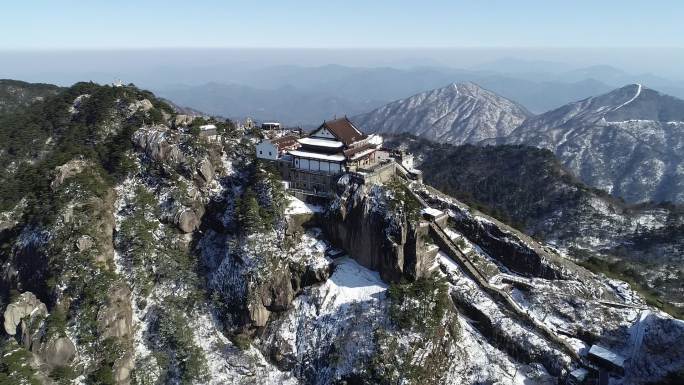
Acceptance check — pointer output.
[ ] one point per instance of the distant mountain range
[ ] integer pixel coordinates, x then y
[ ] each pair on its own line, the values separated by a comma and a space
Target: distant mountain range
287, 104
629, 142
459, 113
307, 95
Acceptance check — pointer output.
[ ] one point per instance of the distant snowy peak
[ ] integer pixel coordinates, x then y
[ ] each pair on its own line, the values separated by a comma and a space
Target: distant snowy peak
629, 142
458, 113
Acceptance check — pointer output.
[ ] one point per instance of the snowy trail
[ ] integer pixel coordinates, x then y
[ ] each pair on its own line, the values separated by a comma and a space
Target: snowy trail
638, 92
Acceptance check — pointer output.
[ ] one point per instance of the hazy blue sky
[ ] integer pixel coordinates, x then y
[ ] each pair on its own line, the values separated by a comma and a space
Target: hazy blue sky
40, 24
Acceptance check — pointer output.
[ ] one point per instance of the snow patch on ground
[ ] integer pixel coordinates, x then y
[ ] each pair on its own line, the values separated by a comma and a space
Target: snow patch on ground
296, 206
332, 321
350, 283
226, 363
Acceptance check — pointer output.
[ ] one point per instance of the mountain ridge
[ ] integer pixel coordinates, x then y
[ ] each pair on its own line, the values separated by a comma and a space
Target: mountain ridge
16, 93
629, 142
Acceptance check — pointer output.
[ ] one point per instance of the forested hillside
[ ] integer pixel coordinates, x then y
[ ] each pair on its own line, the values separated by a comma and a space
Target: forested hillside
15, 93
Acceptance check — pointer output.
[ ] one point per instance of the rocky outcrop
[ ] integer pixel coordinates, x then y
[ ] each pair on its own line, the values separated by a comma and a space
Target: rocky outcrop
27, 305
186, 220
206, 170
375, 236
123, 368
274, 295
25, 319
156, 142
84, 242
103, 226
310, 276
277, 294
58, 352
115, 319
144, 105
258, 314
67, 170
183, 120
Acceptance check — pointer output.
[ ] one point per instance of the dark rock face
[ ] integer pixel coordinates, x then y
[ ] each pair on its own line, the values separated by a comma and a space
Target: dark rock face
277, 294
206, 170
376, 238
507, 248
513, 249
309, 276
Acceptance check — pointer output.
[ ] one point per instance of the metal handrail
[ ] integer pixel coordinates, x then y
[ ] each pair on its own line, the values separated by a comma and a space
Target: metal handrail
309, 192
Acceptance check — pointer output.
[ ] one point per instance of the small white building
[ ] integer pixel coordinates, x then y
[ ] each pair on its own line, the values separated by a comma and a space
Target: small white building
273, 149
267, 150
270, 126
209, 132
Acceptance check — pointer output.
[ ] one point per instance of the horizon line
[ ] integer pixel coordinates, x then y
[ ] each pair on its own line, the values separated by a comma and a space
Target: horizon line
322, 48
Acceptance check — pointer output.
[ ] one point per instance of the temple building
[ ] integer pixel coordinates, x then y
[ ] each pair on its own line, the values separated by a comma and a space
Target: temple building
311, 165
334, 147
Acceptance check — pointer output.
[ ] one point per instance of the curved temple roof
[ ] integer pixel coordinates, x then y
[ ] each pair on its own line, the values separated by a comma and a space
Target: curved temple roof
315, 155
321, 142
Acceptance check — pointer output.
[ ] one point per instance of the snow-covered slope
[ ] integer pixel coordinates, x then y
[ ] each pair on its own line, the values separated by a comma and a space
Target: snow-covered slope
529, 187
629, 142
458, 113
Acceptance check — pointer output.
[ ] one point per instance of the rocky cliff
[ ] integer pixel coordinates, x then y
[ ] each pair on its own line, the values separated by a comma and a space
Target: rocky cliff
390, 241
